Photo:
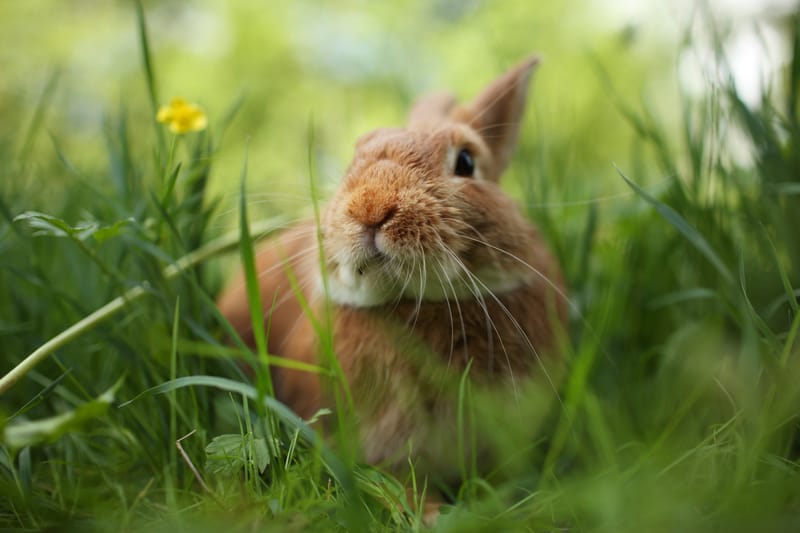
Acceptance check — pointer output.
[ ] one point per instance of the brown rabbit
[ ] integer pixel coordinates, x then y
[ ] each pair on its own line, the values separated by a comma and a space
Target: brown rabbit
429, 266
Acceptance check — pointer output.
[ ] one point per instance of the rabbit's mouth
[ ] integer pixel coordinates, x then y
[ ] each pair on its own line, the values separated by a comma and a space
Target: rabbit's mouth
371, 258
361, 284
373, 263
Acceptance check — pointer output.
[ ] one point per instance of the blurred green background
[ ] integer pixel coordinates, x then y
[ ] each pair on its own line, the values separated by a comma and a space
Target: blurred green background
345, 67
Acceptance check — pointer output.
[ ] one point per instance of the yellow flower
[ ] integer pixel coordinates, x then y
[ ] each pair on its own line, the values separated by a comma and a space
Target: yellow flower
182, 116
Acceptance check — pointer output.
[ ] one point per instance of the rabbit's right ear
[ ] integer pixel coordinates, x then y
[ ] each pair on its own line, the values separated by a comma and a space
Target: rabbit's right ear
496, 113
430, 110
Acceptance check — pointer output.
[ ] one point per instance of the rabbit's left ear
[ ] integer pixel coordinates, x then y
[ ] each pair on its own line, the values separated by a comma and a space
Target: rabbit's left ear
496, 113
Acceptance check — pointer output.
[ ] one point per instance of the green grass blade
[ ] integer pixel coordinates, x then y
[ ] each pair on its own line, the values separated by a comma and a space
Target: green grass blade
150, 74
147, 61
683, 296
37, 119
254, 303
344, 400
173, 374
40, 396
790, 341
686, 229
793, 94
166, 197
784, 275
464, 423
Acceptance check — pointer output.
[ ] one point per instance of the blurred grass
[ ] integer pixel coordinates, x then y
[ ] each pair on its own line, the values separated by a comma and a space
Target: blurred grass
680, 408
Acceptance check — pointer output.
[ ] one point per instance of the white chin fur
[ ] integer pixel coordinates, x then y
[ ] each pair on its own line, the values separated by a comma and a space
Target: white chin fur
345, 287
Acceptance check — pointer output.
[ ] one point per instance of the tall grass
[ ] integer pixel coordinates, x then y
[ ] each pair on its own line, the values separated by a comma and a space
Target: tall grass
679, 411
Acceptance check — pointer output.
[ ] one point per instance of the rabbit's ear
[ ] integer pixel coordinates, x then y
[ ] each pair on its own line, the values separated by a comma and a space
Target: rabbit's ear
431, 110
496, 113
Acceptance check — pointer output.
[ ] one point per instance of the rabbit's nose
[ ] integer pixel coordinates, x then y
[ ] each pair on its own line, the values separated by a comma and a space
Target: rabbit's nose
372, 208
369, 235
378, 219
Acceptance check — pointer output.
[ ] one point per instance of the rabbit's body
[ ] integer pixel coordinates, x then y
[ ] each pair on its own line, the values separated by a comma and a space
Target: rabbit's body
427, 270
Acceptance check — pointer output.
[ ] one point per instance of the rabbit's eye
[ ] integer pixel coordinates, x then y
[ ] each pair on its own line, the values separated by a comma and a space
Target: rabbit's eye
465, 164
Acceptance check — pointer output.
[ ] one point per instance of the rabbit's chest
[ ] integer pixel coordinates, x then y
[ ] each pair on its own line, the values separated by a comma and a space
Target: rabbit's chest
403, 414
405, 377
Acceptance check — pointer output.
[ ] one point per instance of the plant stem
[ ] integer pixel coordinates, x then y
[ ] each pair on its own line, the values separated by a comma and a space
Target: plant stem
216, 247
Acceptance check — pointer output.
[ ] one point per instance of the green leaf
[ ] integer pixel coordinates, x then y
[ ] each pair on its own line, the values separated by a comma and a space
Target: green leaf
319, 414
50, 226
224, 454
103, 234
231, 453
33, 432
46, 224
260, 453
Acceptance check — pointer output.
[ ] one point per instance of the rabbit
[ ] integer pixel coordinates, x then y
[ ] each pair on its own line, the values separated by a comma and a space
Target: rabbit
428, 271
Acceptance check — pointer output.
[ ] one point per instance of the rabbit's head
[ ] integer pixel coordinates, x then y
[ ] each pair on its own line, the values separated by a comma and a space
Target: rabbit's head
419, 214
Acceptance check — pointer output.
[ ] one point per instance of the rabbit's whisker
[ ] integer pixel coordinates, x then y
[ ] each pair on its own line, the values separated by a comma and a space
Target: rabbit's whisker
476, 283
530, 267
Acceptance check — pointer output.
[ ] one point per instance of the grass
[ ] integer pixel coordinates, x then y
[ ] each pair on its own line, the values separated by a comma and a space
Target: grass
679, 410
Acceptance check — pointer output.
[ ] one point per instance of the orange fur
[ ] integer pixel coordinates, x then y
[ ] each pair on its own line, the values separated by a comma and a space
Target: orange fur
428, 271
